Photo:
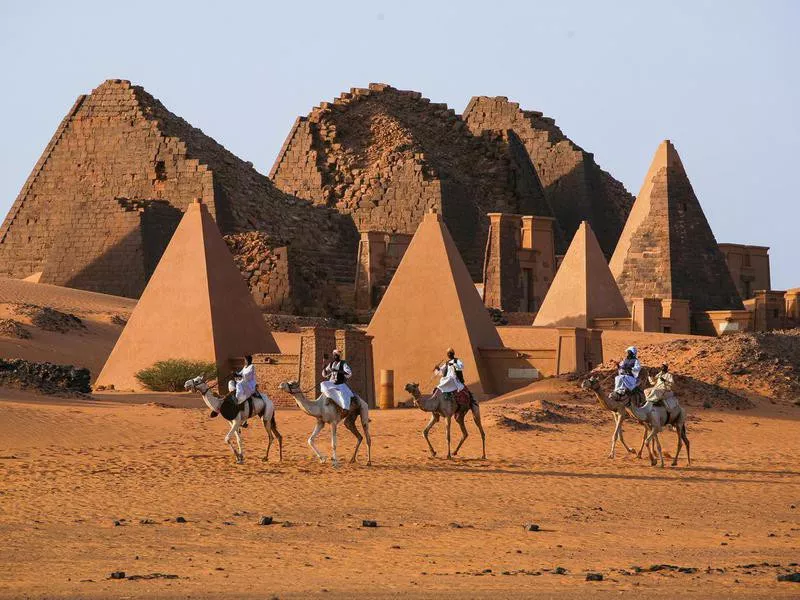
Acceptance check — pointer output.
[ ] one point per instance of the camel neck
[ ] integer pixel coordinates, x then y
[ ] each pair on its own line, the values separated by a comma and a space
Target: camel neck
212, 400
310, 408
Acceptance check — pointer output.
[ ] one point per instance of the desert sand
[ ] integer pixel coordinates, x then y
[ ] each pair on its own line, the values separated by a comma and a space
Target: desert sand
73, 468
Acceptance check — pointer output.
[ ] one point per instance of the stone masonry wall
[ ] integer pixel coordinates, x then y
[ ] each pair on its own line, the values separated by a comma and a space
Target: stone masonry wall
386, 157
119, 157
576, 187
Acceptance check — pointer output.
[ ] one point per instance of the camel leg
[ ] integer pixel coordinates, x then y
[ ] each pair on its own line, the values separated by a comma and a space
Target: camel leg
644, 439
334, 426
317, 428
365, 426
615, 435
234, 434
350, 423
237, 433
274, 427
678, 451
648, 440
686, 443
620, 436
431, 423
464, 434
447, 432
476, 416
660, 453
269, 438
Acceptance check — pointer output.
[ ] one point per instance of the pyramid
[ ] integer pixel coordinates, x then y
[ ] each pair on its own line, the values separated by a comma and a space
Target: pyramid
111, 186
574, 185
667, 249
430, 305
583, 287
196, 306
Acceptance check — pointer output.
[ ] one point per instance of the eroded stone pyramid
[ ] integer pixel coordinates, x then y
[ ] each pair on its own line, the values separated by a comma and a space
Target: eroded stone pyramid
387, 156
576, 188
102, 202
196, 306
430, 305
583, 288
667, 249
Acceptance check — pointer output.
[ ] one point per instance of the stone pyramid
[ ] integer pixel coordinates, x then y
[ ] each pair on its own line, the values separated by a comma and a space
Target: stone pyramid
583, 287
667, 248
196, 306
430, 305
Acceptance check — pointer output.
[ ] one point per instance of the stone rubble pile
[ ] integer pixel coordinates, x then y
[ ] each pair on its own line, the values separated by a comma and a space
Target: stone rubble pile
44, 377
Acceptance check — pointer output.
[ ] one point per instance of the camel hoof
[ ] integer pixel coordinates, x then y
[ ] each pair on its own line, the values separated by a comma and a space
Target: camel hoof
611, 455
632, 451
674, 463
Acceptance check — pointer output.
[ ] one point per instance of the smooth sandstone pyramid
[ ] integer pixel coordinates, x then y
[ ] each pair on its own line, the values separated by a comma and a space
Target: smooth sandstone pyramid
430, 305
583, 288
667, 249
196, 306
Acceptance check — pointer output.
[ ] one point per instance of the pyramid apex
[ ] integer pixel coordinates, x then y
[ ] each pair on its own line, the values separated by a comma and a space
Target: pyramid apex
432, 216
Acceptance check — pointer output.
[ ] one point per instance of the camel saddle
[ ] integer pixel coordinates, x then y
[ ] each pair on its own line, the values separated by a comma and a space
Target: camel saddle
230, 407
464, 398
355, 406
636, 394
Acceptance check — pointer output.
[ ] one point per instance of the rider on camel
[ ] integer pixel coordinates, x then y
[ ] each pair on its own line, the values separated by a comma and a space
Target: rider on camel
243, 385
662, 385
627, 379
337, 372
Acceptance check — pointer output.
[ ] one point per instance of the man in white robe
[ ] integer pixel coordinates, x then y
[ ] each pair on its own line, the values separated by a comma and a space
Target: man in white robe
245, 385
627, 378
449, 380
337, 373
662, 385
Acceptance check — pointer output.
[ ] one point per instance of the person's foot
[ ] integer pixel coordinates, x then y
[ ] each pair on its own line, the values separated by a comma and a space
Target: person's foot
213, 414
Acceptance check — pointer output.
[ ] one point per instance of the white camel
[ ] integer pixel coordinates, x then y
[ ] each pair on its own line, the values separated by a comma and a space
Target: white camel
261, 406
324, 410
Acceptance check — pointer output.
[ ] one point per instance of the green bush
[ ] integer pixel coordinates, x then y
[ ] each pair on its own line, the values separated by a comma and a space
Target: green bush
170, 375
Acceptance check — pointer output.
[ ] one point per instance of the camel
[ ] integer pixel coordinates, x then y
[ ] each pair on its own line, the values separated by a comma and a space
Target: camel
654, 418
261, 407
440, 407
325, 411
617, 407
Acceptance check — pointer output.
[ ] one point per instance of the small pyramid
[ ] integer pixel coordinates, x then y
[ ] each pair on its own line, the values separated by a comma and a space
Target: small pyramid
667, 249
431, 304
196, 306
583, 288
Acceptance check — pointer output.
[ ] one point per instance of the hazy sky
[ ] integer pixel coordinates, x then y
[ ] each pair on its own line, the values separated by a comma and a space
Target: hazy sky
720, 79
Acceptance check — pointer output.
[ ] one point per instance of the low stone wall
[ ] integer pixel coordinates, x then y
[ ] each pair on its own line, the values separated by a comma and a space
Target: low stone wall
272, 370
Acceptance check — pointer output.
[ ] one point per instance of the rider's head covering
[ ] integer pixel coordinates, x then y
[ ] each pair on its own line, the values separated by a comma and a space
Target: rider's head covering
664, 367
631, 349
451, 352
336, 352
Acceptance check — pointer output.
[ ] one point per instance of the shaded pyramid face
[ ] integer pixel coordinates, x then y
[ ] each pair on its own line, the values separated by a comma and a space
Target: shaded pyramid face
430, 305
575, 186
196, 306
667, 249
583, 288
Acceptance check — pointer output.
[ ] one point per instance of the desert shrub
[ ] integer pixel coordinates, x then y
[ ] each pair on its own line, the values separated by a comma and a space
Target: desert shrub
170, 375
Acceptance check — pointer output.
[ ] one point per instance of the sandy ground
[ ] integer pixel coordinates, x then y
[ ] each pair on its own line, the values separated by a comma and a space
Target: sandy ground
70, 468
88, 347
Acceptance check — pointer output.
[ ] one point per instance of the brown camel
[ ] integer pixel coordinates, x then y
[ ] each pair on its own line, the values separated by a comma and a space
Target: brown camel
653, 417
440, 406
